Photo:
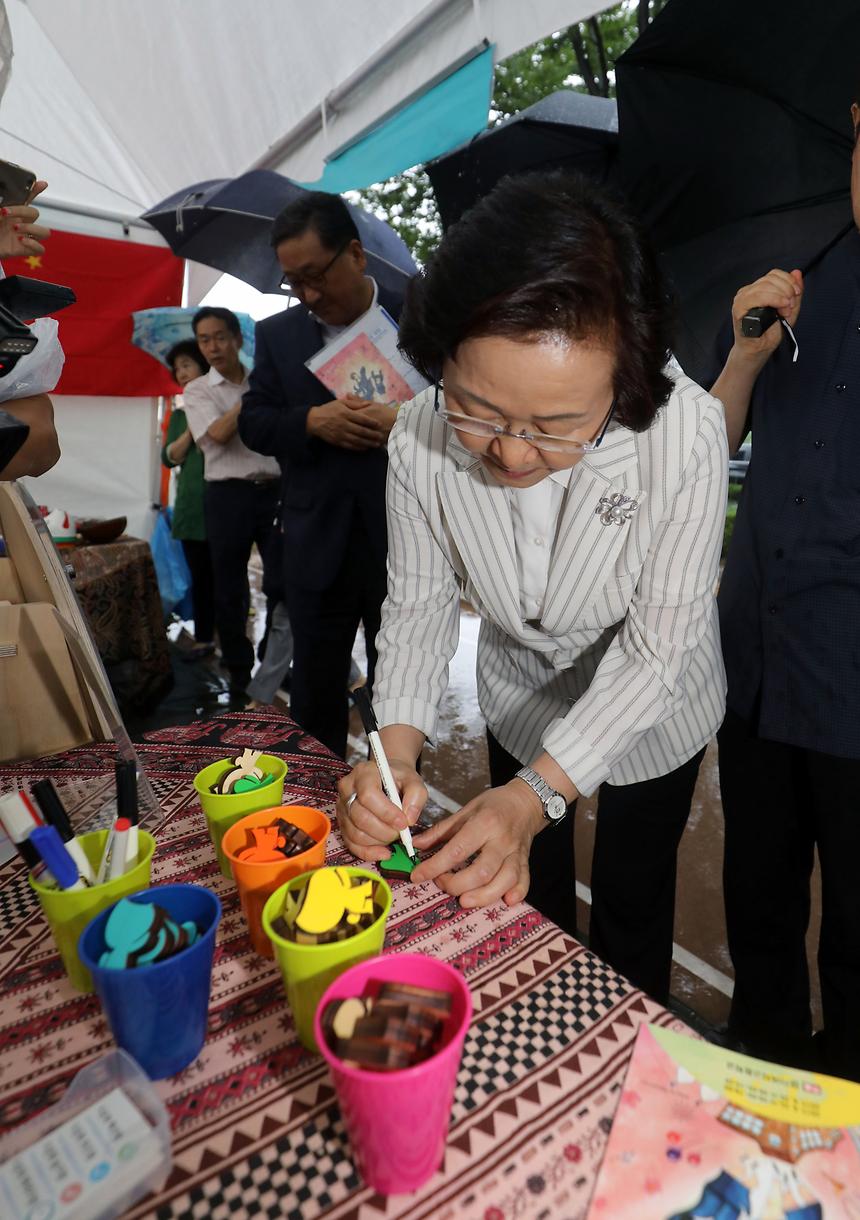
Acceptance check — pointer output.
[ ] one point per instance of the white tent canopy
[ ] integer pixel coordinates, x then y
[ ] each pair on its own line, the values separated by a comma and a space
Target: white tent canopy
120, 103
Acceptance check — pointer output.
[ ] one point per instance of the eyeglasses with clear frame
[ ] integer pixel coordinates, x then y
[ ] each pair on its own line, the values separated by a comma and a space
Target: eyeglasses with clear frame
540, 440
315, 280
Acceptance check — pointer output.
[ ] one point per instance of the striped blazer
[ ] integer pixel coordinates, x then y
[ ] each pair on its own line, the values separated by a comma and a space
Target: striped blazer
623, 677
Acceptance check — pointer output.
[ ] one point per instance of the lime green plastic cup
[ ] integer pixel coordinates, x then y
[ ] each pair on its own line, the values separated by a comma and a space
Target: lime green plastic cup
69, 911
308, 970
222, 812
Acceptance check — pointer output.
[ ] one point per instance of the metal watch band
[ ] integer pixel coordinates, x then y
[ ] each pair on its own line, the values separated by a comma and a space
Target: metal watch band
543, 791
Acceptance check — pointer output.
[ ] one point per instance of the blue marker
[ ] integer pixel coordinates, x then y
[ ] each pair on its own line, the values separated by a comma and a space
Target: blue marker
49, 845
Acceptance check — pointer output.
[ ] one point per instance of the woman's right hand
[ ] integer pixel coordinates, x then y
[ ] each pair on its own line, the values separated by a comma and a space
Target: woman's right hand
371, 822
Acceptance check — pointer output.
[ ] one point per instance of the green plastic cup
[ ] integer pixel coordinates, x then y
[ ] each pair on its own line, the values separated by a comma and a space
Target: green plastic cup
69, 911
308, 970
222, 812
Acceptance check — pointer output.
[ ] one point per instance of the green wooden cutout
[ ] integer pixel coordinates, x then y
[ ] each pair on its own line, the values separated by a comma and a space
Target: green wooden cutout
399, 864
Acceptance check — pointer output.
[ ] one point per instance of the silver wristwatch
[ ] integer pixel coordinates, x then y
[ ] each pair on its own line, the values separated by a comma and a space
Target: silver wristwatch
554, 804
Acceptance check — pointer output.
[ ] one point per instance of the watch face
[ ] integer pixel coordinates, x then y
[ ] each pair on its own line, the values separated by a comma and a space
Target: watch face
556, 808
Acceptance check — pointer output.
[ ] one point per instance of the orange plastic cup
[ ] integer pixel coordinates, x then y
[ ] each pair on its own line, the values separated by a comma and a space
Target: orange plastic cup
255, 882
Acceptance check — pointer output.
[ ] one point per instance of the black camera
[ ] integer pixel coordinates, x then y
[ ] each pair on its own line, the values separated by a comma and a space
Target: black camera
21, 300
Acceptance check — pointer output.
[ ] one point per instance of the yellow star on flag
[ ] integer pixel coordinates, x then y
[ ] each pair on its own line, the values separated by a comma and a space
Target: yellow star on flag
34, 261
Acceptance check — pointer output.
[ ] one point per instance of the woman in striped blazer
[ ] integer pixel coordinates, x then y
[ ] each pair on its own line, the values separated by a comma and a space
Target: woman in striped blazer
570, 484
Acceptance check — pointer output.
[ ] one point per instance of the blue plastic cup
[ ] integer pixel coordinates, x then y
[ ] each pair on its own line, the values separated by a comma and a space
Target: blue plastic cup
157, 1012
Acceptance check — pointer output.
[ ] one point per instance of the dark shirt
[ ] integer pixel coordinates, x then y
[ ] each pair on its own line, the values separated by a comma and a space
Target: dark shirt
328, 490
790, 594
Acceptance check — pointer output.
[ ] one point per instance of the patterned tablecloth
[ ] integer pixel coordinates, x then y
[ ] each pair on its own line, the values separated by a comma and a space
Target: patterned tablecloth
118, 590
256, 1130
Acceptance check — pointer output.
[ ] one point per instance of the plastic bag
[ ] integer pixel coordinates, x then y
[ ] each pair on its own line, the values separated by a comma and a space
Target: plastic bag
39, 371
171, 568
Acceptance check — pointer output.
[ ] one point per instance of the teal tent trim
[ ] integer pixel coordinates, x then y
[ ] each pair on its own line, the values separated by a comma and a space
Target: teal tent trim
448, 114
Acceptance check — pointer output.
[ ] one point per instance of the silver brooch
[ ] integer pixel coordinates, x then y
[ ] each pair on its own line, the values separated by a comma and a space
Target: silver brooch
615, 509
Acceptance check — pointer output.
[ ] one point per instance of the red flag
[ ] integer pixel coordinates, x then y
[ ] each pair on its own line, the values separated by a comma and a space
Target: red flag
111, 279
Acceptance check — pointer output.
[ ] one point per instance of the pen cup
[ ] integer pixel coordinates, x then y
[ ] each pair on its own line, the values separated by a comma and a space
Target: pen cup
222, 812
397, 1121
256, 881
158, 1011
69, 911
307, 970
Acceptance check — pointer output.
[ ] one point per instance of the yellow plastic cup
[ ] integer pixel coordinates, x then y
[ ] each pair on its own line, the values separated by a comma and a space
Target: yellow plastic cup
308, 970
255, 882
222, 812
69, 911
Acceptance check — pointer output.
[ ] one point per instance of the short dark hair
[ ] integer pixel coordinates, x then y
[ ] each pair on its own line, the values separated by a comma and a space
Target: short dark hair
326, 214
186, 347
223, 315
542, 254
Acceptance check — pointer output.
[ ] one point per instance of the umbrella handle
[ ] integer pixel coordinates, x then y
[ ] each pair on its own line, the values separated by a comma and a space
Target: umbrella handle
756, 321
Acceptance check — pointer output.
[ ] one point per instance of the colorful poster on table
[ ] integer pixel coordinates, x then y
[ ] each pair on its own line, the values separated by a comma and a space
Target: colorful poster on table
702, 1131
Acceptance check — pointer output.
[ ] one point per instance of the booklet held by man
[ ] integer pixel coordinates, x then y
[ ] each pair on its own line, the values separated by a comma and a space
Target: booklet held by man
702, 1131
364, 361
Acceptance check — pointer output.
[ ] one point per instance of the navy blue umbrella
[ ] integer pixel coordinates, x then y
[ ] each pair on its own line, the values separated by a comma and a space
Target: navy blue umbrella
566, 129
226, 223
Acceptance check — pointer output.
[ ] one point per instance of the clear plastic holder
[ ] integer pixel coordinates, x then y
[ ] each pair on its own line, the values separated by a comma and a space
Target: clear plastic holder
97, 1158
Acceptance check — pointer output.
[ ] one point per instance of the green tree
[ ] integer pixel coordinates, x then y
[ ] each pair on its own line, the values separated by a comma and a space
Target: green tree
580, 57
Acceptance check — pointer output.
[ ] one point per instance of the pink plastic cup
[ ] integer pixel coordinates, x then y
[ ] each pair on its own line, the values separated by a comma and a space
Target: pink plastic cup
397, 1122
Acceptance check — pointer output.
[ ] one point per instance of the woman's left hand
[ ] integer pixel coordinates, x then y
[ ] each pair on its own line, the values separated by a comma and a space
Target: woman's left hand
19, 233
499, 825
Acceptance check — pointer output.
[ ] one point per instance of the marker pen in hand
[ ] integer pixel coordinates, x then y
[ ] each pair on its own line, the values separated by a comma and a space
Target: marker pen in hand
49, 845
54, 813
368, 719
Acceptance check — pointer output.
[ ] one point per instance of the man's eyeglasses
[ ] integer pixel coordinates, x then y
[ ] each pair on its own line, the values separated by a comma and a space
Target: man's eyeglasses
540, 440
315, 280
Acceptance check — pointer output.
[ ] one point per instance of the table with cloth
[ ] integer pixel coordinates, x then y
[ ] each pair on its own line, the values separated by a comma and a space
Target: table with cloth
256, 1129
118, 591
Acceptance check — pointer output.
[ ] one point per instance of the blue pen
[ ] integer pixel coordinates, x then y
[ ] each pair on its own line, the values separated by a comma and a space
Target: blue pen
49, 845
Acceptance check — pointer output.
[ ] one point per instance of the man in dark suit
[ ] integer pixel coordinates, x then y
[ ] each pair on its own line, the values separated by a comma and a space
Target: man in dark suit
332, 453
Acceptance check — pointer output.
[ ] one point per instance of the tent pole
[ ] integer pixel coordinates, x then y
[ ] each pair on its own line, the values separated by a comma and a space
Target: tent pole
338, 97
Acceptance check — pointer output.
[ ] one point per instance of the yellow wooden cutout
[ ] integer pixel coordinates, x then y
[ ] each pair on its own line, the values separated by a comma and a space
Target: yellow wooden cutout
330, 896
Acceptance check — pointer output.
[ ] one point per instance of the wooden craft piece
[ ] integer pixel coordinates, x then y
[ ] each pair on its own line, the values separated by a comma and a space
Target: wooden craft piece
341, 1016
330, 896
403, 1026
268, 846
138, 933
399, 865
244, 771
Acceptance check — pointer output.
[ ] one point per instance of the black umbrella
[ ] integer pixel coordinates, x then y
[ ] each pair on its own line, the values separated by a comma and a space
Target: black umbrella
735, 144
226, 224
564, 129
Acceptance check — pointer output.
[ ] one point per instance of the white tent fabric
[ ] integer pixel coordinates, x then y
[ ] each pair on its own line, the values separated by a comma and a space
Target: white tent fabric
110, 463
119, 103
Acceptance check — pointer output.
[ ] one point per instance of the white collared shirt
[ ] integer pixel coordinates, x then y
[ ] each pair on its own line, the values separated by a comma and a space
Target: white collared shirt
332, 332
534, 513
206, 399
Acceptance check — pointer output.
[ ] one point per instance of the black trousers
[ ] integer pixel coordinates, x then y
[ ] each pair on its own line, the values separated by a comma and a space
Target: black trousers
324, 624
199, 560
238, 514
633, 871
779, 803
